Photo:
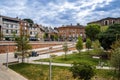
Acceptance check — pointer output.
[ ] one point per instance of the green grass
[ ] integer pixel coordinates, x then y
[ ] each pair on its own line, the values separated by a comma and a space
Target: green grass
75, 57
41, 72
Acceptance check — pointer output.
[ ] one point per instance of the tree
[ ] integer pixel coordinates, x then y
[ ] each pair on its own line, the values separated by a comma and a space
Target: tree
79, 44
29, 20
92, 31
56, 37
88, 43
82, 71
22, 45
115, 61
65, 49
109, 36
52, 37
45, 36
36, 36
115, 45
97, 47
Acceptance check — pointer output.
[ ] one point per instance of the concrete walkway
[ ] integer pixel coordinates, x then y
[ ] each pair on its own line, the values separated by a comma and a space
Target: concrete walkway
8, 74
65, 65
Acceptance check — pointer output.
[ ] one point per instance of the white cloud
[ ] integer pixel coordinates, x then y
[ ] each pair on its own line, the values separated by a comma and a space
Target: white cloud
50, 13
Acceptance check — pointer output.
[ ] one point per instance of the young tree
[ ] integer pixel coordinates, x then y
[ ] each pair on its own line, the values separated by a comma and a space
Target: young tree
79, 44
36, 36
82, 71
56, 37
115, 45
65, 49
45, 36
115, 61
88, 43
22, 45
97, 47
92, 31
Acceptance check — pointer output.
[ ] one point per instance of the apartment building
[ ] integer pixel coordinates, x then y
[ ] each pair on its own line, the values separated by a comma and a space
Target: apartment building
71, 32
106, 21
8, 26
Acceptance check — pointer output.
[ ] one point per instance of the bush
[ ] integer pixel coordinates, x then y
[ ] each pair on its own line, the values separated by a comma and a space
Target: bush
82, 71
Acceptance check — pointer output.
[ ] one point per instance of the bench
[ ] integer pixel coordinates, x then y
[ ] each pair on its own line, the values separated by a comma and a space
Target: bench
10, 63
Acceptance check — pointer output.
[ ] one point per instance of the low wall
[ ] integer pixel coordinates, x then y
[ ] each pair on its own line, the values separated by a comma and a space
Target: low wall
11, 46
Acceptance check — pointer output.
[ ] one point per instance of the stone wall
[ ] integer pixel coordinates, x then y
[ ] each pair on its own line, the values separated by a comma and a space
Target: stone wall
11, 47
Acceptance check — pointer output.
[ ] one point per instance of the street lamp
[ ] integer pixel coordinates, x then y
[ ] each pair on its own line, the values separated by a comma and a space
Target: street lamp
50, 66
7, 56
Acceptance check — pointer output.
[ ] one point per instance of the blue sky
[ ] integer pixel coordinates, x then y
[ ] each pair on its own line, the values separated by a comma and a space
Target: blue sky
60, 12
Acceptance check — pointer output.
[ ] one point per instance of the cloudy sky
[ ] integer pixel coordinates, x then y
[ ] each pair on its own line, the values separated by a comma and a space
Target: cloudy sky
60, 12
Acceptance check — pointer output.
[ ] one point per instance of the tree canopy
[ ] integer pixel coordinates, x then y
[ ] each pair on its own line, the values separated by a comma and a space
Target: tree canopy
92, 31
109, 36
29, 20
82, 71
115, 61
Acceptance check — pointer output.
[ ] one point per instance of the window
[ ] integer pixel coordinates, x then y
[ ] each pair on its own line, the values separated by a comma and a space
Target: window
31, 33
12, 31
7, 31
16, 31
11, 25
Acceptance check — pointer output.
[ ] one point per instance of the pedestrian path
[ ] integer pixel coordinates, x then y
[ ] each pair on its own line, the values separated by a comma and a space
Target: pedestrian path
65, 65
8, 74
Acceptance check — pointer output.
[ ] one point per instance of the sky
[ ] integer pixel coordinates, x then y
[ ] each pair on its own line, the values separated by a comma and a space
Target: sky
56, 13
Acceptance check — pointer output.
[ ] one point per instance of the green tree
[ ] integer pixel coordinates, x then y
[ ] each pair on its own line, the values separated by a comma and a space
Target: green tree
45, 36
92, 31
115, 61
115, 45
109, 36
88, 43
23, 45
29, 20
52, 37
97, 47
82, 71
36, 36
79, 44
56, 37
65, 49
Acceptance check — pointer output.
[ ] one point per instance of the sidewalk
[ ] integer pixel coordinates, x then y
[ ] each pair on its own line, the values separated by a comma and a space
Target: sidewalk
8, 74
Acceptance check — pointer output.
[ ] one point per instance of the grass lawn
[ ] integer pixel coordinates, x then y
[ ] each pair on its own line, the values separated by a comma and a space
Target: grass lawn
41, 72
75, 57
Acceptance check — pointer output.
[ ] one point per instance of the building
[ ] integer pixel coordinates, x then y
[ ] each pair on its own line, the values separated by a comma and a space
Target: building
36, 32
71, 32
106, 21
8, 26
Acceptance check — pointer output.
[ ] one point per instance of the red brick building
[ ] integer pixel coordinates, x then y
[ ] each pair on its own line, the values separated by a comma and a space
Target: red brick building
71, 32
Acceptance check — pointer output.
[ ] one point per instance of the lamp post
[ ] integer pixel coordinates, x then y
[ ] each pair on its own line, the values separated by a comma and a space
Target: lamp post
7, 56
50, 66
